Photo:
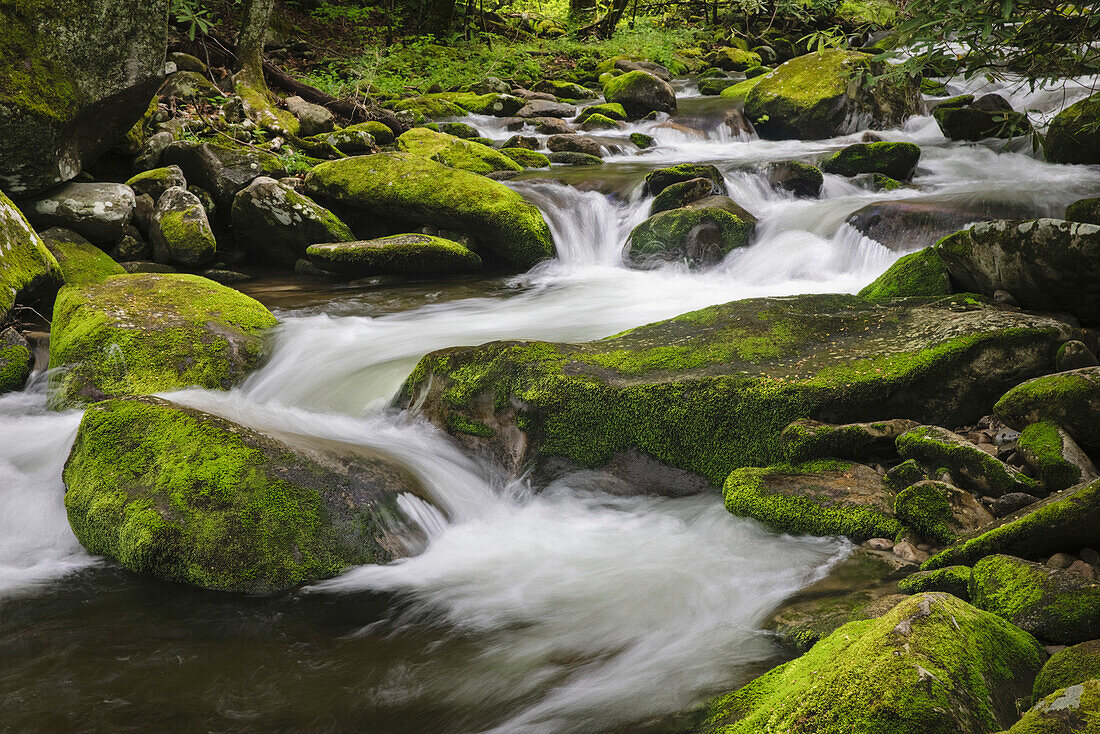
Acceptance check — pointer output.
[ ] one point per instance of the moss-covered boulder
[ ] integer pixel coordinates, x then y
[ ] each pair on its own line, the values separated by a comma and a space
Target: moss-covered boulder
821, 95
180, 231
277, 223
1069, 399
185, 496
140, 334
1046, 264
739, 92
973, 123
610, 110
806, 440
421, 192
527, 158
1068, 667
933, 446
1073, 136
801, 179
896, 160
28, 271
16, 361
816, 498
573, 158
932, 664
640, 93
428, 107
80, 260
954, 580
700, 233
681, 194
222, 169
381, 133
563, 89
455, 152
74, 77
1084, 210
939, 511
600, 122
921, 273
730, 58
403, 254
156, 181
659, 180
711, 390
1056, 458
1069, 519
1071, 710
1054, 605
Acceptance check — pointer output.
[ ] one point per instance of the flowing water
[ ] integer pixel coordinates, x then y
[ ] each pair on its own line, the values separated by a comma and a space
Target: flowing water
528, 609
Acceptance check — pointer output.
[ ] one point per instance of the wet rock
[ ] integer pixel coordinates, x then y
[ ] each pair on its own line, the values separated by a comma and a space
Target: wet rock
939, 511
640, 93
700, 233
879, 544
98, 211
180, 231
1012, 502
681, 194
657, 181
223, 171
570, 158
801, 179
564, 90
988, 117
813, 97
642, 141
1068, 667
277, 224
926, 650
1056, 458
522, 141
909, 552
16, 361
538, 108
921, 273
737, 124
805, 440
526, 157
1053, 605
1084, 210
300, 517
911, 224
574, 144
313, 119
1069, 399
140, 334
1046, 264
406, 254
225, 277
86, 73
551, 126
935, 446
600, 122
1072, 136
896, 160
954, 580
80, 260
1073, 355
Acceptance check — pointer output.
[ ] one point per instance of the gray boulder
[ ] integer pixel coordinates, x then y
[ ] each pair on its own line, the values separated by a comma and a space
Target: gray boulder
277, 223
221, 170
313, 118
98, 211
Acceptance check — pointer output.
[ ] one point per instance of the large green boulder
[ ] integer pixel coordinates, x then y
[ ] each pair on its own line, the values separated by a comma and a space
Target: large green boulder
1071, 710
730, 58
932, 665
1069, 519
74, 78
939, 511
180, 230
1054, 456
277, 223
28, 271
806, 440
455, 152
659, 180
1046, 264
921, 273
990, 116
16, 361
403, 254
712, 390
933, 446
422, 192
1084, 210
815, 498
141, 334
1073, 136
80, 260
640, 93
185, 496
1054, 605
1069, 399
821, 95
896, 160
700, 233
739, 92
1068, 667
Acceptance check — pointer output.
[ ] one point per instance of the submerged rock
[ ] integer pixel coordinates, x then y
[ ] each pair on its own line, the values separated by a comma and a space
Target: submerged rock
277, 224
820, 95
76, 75
711, 391
140, 334
403, 254
912, 671
185, 496
422, 192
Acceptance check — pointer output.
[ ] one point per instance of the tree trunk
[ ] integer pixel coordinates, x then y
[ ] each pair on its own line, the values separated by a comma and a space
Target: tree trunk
255, 17
582, 11
438, 16
605, 26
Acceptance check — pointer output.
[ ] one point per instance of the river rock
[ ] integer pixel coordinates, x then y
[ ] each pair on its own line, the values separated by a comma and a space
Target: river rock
29, 273
801, 179
542, 108
574, 144
988, 117
611, 110
1069, 710
893, 674
896, 160
346, 140
1074, 355
922, 273
75, 79
911, 224
158, 488
564, 90
1055, 458
1010, 503
1084, 210
526, 157
814, 97
422, 192
80, 260
220, 169
1046, 264
403, 254
657, 181
1054, 605
732, 59
939, 511
711, 391
156, 181
277, 224
98, 211
141, 334
1068, 399
600, 122
180, 230
817, 498
806, 440
313, 119
1068, 667
933, 446
954, 580
640, 92
16, 360
700, 233
1072, 136
681, 194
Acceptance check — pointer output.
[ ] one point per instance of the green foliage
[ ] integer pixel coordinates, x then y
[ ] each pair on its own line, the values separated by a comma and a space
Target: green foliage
191, 14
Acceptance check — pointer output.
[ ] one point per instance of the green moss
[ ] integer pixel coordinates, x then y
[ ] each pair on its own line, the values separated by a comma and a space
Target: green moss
1071, 710
657, 181
455, 152
141, 334
418, 190
405, 254
32, 81
806, 507
527, 158
610, 110
187, 497
1042, 445
896, 160
1084, 210
668, 233
954, 580
1068, 667
600, 122
639, 93
80, 260
1065, 399
932, 665
905, 474
461, 424
934, 446
27, 265
16, 363
380, 132
1073, 136
740, 91
924, 507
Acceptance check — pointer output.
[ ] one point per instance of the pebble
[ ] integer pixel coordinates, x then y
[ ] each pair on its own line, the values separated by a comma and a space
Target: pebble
879, 544
1061, 560
1082, 568
908, 552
